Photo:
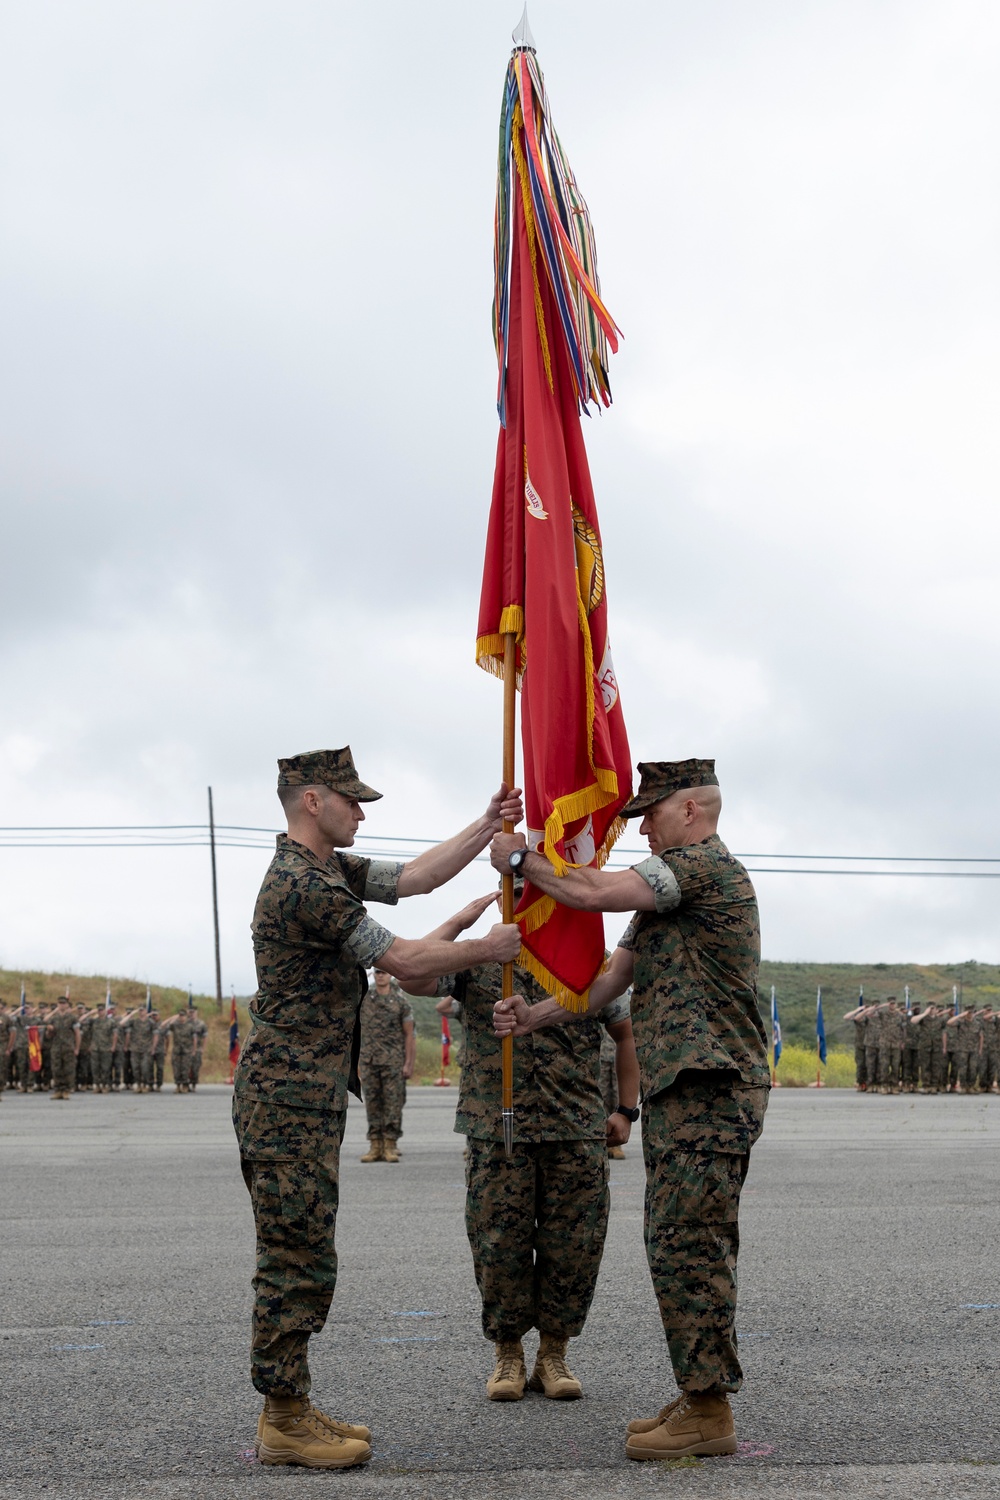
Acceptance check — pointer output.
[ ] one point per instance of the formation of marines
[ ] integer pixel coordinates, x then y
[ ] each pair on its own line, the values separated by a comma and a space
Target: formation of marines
80, 1050
930, 1050
536, 1220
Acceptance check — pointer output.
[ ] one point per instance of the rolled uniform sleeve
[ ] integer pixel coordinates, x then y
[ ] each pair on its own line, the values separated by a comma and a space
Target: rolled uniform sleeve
382, 881
618, 1010
662, 881
368, 941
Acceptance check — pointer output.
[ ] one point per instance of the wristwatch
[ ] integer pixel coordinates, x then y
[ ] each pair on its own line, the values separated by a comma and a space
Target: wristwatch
516, 860
630, 1114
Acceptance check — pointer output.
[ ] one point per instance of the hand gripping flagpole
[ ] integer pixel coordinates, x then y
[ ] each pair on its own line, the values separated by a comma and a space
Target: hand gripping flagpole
507, 890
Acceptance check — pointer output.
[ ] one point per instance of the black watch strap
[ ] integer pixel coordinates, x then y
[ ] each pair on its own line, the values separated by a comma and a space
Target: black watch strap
516, 860
630, 1114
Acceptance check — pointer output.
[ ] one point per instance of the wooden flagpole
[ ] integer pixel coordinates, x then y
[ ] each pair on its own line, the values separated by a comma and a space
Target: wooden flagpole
507, 889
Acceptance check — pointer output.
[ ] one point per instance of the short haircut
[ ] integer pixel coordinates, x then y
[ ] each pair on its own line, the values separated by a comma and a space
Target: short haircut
291, 796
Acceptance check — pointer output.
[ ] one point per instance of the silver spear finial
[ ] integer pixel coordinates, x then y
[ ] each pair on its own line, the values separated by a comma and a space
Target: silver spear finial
521, 35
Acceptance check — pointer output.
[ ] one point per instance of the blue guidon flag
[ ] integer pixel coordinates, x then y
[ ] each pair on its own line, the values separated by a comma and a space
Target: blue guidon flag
775, 1027
820, 1028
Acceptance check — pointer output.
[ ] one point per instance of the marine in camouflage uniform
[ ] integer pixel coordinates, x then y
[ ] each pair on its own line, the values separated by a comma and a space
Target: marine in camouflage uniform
180, 1029
84, 1077
536, 1221
64, 1031
875, 1048
859, 1015
199, 1031
961, 1038
103, 1036
6, 1048
692, 952
313, 940
385, 1061
139, 1025
157, 1051
911, 1051
19, 1051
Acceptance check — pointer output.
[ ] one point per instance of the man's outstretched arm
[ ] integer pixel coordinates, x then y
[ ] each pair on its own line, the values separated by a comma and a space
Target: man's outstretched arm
583, 889
438, 865
514, 1017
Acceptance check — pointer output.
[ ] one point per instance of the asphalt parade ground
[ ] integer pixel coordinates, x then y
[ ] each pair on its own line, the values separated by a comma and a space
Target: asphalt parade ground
869, 1293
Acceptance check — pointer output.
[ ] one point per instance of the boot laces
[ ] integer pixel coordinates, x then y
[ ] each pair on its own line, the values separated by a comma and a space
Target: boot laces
557, 1366
509, 1359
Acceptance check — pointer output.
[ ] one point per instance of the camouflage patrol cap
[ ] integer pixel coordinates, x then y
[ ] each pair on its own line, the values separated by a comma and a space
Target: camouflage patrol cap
332, 768
661, 778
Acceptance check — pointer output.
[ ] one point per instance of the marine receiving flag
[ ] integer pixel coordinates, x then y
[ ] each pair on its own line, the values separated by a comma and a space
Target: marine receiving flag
543, 580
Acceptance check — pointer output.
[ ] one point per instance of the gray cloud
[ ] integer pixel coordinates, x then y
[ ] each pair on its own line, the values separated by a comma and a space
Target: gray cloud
249, 431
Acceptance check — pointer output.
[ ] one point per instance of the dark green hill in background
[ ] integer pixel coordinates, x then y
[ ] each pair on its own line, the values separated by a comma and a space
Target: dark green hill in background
795, 986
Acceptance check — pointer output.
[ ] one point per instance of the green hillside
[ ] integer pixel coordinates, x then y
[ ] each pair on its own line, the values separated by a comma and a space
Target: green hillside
795, 987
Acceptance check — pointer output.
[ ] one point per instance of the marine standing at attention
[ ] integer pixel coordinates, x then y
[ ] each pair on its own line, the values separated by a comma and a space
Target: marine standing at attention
388, 1054
536, 1221
313, 941
692, 955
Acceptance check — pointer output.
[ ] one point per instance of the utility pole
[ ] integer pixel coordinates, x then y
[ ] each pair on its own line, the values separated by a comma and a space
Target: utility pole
215, 902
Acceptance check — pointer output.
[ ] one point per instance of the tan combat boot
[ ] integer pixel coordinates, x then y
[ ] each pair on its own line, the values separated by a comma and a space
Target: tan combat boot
389, 1150
646, 1424
291, 1432
509, 1376
339, 1429
551, 1373
695, 1424
374, 1152
616, 1153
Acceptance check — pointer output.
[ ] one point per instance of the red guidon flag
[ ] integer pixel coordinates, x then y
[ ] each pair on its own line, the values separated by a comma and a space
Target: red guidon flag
544, 573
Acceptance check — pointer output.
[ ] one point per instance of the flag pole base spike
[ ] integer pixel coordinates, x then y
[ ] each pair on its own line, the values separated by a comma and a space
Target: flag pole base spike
508, 1132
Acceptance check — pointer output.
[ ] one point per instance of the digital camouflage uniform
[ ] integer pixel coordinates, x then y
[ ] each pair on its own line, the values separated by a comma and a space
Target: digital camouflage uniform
84, 1076
703, 1064
102, 1039
118, 1056
140, 1029
199, 1031
911, 1051
609, 1074
312, 942
993, 1049
19, 1025
936, 1026
860, 1070
896, 1024
380, 1063
63, 1026
157, 1049
536, 1222
181, 1047
961, 1038
874, 1047
5, 1030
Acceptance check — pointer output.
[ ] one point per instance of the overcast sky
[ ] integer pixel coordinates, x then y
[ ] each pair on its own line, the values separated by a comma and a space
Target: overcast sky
248, 435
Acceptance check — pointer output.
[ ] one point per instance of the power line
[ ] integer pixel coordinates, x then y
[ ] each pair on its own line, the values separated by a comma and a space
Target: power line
246, 836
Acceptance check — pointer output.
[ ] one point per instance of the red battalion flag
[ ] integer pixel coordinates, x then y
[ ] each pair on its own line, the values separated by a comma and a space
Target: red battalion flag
445, 1042
34, 1050
234, 1033
544, 579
